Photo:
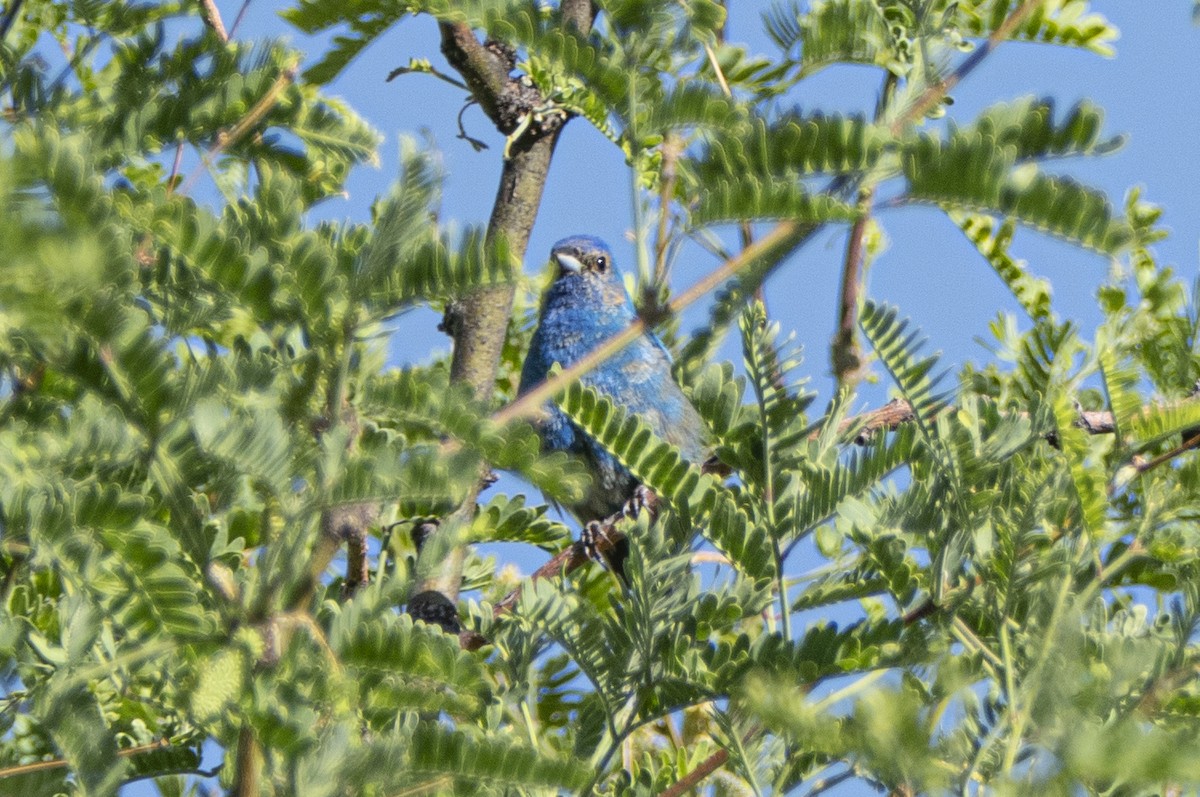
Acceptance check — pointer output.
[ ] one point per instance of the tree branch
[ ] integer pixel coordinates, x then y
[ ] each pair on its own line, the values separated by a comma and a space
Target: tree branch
846, 355
702, 771
478, 322
937, 92
212, 17
10, 16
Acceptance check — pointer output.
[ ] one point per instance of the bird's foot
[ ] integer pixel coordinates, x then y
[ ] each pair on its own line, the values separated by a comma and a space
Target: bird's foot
592, 536
607, 549
643, 498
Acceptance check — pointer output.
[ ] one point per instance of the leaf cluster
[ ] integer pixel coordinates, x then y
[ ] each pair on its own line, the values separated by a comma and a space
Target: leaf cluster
998, 595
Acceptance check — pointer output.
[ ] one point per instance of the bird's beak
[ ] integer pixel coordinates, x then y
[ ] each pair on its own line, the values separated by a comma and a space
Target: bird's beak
568, 263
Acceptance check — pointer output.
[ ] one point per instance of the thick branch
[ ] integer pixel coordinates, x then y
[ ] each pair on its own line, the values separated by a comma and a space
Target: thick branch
478, 322
212, 18
484, 72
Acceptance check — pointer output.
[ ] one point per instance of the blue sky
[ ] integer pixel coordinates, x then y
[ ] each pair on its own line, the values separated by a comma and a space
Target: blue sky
929, 270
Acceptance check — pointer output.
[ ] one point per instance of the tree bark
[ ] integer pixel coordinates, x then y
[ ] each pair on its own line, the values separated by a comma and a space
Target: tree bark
478, 322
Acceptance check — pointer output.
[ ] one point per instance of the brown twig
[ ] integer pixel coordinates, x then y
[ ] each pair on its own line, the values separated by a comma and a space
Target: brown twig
59, 763
245, 124
212, 18
846, 353
237, 21
889, 417
358, 566
937, 92
1185, 446
671, 149
898, 412
566, 561
175, 164
702, 771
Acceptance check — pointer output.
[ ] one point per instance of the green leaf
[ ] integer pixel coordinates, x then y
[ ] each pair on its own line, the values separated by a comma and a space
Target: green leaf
659, 465
473, 760
992, 240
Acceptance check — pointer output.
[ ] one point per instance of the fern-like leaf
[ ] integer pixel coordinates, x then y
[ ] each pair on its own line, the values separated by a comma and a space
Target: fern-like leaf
474, 761
402, 664
897, 348
660, 467
992, 241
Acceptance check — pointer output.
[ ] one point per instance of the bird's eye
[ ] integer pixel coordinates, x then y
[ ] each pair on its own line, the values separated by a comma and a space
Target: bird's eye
602, 264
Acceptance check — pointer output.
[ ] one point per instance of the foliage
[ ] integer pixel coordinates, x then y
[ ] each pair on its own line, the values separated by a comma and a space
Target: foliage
190, 396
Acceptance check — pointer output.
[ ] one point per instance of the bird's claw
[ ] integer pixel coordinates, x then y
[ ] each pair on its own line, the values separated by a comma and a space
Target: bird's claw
591, 537
643, 498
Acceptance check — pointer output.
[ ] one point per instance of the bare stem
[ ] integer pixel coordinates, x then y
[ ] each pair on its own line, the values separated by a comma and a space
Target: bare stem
693, 778
237, 21
937, 92
212, 18
245, 124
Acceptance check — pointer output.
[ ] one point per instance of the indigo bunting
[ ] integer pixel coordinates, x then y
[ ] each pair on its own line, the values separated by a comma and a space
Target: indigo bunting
586, 305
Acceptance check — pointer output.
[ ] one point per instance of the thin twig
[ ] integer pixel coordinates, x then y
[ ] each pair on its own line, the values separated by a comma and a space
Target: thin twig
846, 354
1184, 447
237, 21
245, 124
671, 150
712, 59
430, 70
825, 784
693, 778
212, 18
59, 763
175, 166
10, 16
937, 92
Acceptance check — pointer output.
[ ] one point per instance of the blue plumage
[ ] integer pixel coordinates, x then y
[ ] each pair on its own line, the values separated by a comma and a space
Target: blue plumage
585, 305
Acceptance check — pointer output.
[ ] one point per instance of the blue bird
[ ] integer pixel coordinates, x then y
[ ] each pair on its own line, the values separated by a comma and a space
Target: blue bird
586, 305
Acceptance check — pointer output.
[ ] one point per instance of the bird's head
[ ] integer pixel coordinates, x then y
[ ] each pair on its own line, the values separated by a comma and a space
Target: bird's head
585, 257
